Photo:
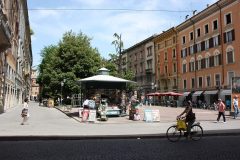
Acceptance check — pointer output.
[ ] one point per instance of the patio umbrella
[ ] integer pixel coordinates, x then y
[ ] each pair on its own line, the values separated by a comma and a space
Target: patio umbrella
173, 94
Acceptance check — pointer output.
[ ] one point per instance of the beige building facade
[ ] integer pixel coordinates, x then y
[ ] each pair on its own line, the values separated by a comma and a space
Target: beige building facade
16, 58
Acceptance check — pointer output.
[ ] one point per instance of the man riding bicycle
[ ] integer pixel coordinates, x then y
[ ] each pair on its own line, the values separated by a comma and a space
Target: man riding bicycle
189, 117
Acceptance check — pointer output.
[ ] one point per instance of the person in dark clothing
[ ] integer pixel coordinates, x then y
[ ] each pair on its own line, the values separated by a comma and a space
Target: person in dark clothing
189, 117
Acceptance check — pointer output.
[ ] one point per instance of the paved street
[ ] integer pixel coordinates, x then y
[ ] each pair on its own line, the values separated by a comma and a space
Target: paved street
52, 122
208, 148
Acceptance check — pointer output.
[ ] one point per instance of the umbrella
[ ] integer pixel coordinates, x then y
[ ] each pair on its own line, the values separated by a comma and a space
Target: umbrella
173, 94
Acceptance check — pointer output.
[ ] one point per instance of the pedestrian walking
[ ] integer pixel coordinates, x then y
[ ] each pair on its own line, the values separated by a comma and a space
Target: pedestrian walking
221, 110
25, 113
235, 106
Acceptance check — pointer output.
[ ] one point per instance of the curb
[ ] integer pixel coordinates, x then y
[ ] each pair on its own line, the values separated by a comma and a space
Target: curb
209, 133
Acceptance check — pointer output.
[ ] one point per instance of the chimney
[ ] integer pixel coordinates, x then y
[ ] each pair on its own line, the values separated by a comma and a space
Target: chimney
186, 17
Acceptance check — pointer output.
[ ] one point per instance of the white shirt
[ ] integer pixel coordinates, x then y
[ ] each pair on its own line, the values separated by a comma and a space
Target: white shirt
25, 105
235, 102
85, 102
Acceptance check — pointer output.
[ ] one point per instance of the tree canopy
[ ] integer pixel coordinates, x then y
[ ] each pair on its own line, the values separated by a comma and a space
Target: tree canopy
71, 59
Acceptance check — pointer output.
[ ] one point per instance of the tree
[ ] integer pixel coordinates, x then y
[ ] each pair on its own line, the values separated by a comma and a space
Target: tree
118, 43
72, 59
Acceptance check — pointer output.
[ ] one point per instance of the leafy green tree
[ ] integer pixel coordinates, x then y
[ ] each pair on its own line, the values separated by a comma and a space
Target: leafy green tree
72, 59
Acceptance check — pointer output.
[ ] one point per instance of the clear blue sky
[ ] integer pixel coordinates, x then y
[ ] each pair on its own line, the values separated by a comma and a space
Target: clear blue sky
50, 21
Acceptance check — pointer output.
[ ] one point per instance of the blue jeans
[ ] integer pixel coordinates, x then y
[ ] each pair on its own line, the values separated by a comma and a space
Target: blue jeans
236, 111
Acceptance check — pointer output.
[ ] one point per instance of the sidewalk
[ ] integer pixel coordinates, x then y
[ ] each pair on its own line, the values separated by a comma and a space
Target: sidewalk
51, 123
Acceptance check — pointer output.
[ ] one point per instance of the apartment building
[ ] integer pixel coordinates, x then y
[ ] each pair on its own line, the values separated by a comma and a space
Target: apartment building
16, 58
209, 51
167, 60
140, 59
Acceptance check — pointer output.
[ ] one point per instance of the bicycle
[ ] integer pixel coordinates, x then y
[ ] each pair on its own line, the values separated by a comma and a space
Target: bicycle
174, 132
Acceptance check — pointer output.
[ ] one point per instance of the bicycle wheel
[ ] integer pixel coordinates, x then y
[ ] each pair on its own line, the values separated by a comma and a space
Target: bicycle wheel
173, 134
196, 132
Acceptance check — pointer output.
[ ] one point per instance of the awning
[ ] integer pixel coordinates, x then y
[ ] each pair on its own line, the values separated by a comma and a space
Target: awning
226, 92
197, 93
211, 92
186, 93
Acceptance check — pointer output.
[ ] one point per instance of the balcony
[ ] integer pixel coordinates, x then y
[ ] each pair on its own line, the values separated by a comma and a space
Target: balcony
5, 33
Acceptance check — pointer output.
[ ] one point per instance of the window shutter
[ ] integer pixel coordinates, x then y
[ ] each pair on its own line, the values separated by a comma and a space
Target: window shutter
190, 69
202, 45
211, 61
219, 40
195, 48
233, 35
196, 65
189, 51
186, 51
220, 59
203, 64
181, 54
224, 36
210, 42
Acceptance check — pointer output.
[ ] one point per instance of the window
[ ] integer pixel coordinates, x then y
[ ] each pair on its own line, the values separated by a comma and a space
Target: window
149, 64
184, 68
217, 79
174, 53
141, 67
198, 32
230, 58
174, 67
230, 76
135, 66
174, 82
193, 82
184, 52
149, 51
207, 44
135, 56
208, 81
215, 41
192, 66
200, 82
174, 39
229, 36
183, 40
199, 47
191, 36
215, 25
199, 64
216, 60
228, 18
206, 29
165, 56
185, 84
191, 50
166, 69
207, 62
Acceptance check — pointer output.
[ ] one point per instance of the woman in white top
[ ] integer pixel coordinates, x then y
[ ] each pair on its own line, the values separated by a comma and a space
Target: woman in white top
25, 114
235, 105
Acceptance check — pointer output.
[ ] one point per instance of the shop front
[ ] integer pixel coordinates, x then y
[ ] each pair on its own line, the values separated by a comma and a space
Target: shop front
211, 96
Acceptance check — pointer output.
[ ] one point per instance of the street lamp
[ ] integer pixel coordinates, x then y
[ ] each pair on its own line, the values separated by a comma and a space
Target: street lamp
62, 84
